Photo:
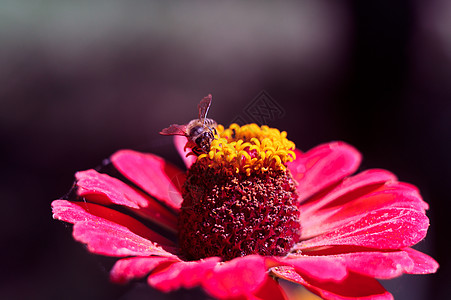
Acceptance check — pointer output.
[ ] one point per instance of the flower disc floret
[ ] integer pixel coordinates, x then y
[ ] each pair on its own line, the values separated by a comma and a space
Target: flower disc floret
250, 149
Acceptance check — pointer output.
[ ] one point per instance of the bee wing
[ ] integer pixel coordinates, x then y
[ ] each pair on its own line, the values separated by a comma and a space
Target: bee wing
174, 129
203, 107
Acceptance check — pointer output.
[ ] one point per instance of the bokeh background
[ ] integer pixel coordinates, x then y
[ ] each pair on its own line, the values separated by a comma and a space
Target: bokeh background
80, 80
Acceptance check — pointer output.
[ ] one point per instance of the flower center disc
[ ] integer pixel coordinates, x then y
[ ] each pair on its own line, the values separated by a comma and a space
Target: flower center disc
239, 198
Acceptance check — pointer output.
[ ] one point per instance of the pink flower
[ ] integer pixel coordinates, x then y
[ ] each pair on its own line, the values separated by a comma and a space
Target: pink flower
354, 229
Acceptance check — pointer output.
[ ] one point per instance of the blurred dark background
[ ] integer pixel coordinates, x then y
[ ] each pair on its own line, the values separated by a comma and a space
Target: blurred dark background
79, 81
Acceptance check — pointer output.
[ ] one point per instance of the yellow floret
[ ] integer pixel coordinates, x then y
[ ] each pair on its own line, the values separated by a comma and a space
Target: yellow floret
250, 148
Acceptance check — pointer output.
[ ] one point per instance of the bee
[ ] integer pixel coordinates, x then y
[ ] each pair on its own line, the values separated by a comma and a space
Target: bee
199, 132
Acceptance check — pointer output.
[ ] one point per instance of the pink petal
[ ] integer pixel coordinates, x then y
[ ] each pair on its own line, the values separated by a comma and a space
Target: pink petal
185, 274
377, 264
269, 290
153, 174
393, 194
320, 267
348, 185
382, 265
387, 228
351, 207
107, 231
354, 286
114, 240
422, 263
180, 142
128, 269
240, 276
323, 166
103, 189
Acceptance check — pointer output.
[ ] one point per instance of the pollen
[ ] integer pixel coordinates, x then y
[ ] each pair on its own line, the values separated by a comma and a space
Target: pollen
249, 149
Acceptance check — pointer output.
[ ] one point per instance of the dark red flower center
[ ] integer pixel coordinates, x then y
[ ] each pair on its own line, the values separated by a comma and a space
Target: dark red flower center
232, 214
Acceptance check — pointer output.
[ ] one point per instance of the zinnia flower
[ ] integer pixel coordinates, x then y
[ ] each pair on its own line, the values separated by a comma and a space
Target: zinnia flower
250, 211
